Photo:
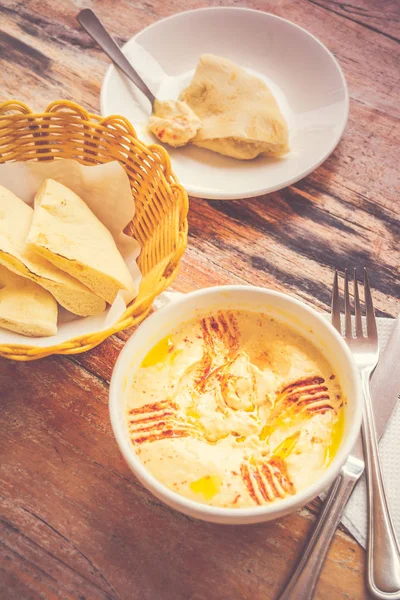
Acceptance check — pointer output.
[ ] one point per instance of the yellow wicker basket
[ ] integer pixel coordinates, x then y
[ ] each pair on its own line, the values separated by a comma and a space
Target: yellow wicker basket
66, 130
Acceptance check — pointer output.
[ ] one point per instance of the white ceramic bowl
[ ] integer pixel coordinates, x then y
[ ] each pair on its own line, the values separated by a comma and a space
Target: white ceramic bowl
301, 318
304, 76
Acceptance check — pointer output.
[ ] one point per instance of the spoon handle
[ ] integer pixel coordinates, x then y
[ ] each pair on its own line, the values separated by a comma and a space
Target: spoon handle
96, 30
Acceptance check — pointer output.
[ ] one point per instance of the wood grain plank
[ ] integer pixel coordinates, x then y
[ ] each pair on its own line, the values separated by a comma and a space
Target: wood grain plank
382, 18
302, 269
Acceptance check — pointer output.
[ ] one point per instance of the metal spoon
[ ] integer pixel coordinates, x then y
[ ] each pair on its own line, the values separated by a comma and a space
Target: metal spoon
96, 30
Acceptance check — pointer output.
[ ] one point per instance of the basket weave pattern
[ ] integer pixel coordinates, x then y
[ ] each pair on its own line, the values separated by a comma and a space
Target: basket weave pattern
66, 130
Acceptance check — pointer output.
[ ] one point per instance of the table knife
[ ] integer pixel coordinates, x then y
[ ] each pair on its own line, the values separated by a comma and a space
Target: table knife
385, 390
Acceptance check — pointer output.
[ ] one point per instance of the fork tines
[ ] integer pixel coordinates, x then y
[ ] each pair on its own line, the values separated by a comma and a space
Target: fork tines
369, 309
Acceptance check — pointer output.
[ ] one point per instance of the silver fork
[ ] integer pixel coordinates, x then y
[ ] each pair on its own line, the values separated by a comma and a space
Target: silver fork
383, 572
383, 552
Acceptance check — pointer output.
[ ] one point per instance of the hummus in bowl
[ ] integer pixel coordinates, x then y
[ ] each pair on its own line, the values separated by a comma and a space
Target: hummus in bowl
237, 410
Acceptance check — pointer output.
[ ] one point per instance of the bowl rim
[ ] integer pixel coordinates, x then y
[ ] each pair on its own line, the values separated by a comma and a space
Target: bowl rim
208, 193
215, 513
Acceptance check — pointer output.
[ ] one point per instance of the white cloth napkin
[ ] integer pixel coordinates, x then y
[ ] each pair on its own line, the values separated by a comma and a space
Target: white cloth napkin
355, 515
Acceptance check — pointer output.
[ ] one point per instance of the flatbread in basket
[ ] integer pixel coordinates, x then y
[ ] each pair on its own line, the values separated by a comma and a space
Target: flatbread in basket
65, 130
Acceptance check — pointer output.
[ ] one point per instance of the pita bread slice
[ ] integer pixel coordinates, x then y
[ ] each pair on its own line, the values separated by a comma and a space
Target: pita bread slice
15, 222
239, 114
66, 232
26, 307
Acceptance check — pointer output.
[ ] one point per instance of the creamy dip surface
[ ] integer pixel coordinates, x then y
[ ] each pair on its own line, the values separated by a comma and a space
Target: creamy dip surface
235, 409
174, 122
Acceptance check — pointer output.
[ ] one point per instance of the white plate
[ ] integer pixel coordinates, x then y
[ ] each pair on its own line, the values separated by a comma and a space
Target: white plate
304, 76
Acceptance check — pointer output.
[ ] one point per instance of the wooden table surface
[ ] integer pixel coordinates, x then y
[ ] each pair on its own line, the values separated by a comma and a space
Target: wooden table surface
74, 522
